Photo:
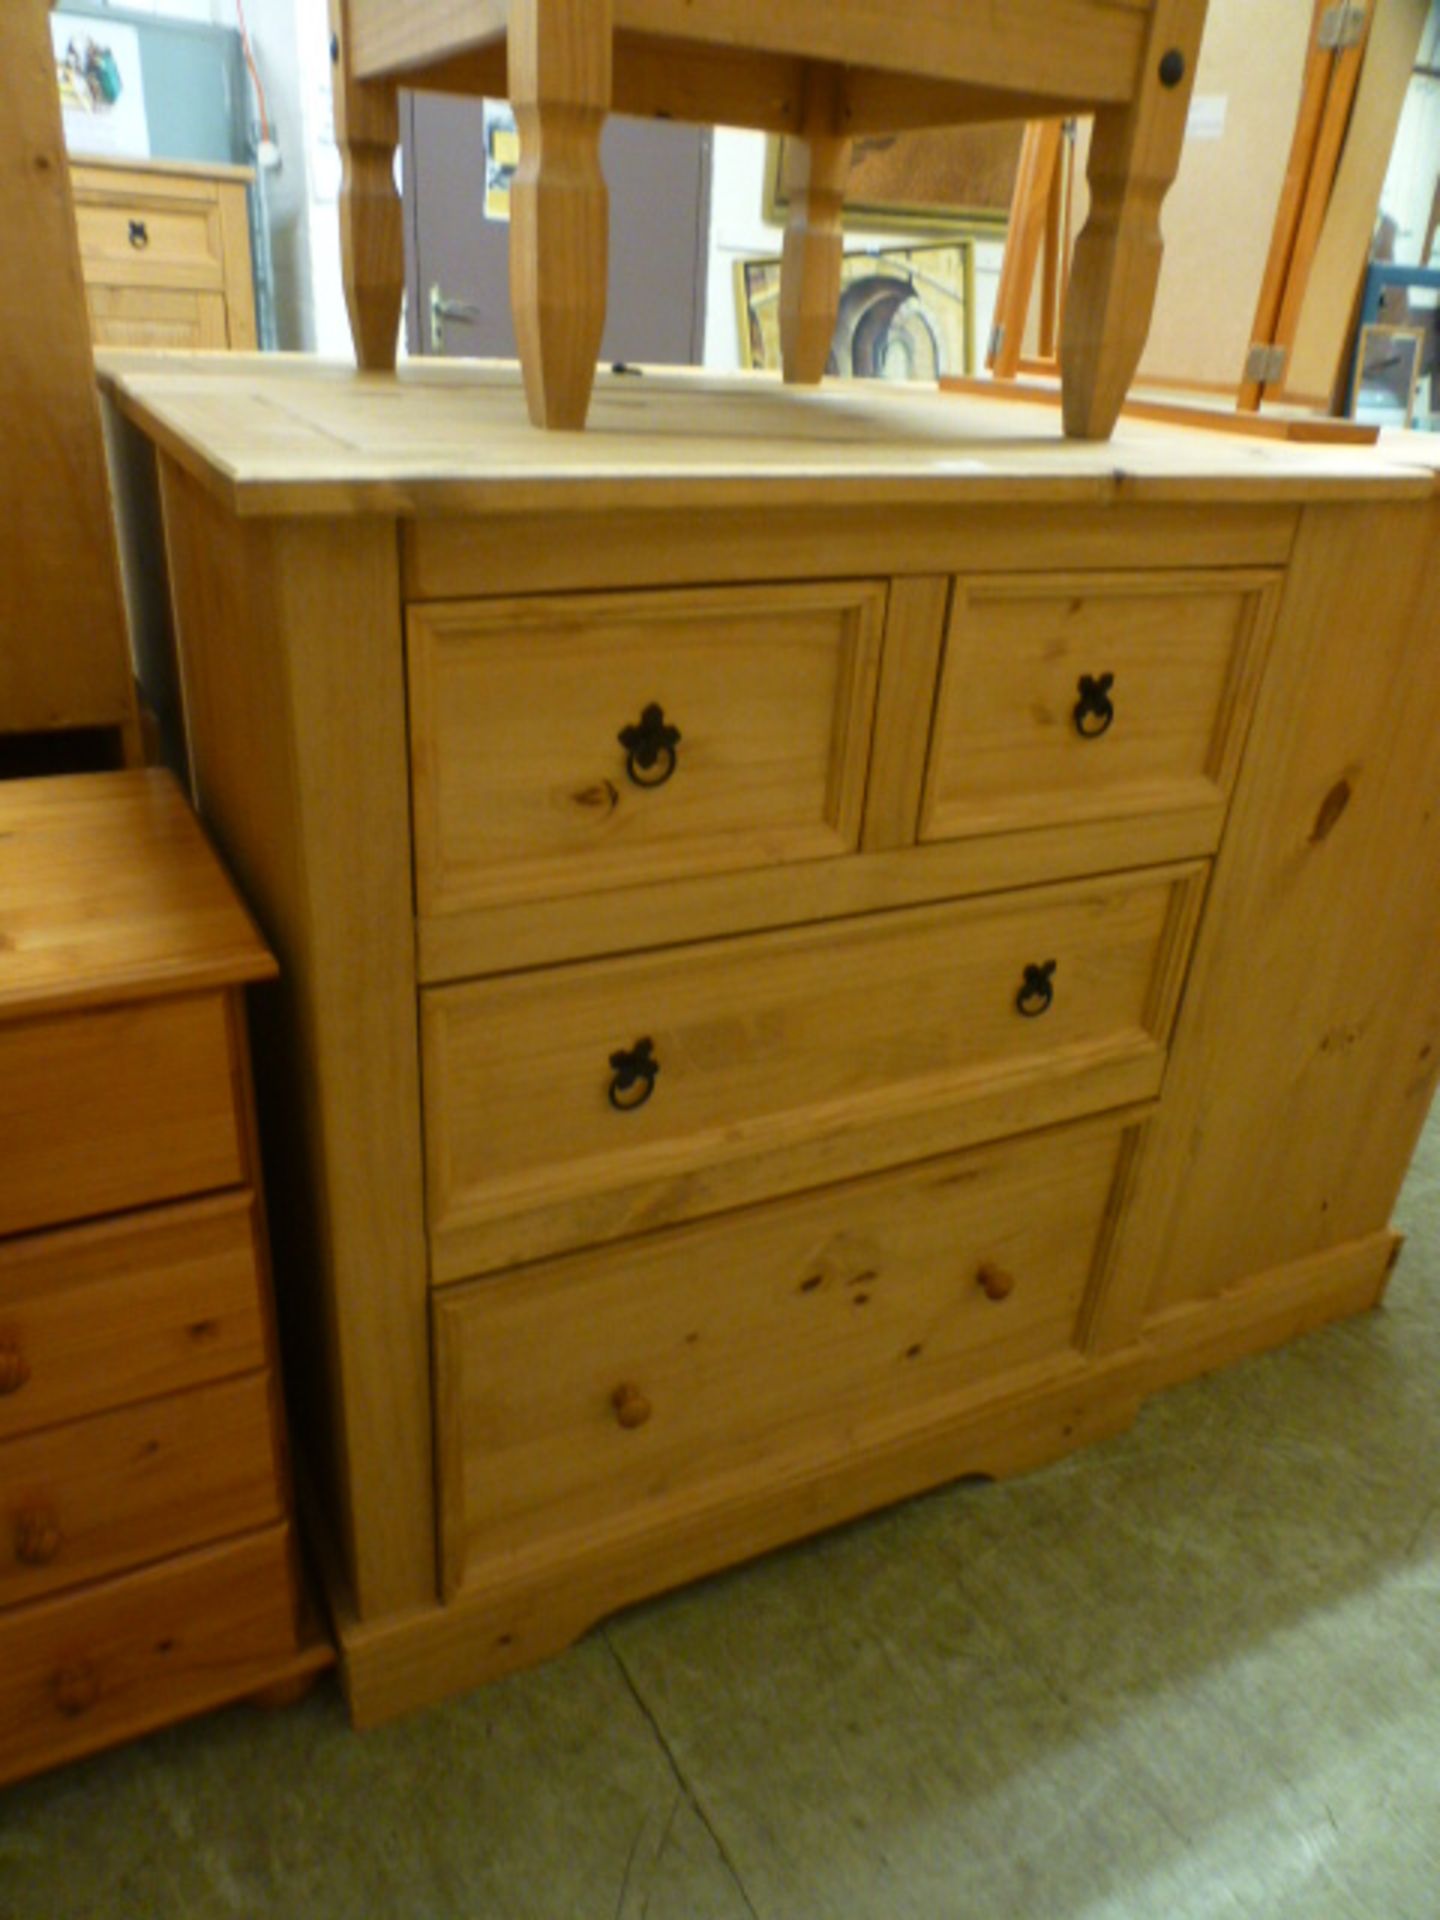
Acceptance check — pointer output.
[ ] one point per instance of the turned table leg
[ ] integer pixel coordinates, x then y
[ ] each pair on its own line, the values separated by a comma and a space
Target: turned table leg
1134, 155
559, 63
372, 242
819, 162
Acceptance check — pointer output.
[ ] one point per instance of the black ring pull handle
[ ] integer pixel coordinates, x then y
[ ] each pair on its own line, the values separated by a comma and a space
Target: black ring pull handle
1094, 710
1036, 990
650, 748
139, 234
632, 1079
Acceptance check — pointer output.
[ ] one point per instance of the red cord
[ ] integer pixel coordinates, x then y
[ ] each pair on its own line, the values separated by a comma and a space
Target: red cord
245, 48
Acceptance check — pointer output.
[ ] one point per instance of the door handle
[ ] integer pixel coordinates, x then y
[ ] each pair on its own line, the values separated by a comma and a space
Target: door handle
463, 311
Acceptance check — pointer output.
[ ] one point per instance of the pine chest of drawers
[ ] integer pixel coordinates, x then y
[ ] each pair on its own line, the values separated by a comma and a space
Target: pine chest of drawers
147, 1565
832, 942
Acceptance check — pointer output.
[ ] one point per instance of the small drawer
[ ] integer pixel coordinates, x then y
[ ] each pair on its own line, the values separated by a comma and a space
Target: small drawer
97, 1496
127, 1655
615, 1386
572, 745
150, 239
582, 1102
115, 1109
1092, 697
100, 1316
157, 317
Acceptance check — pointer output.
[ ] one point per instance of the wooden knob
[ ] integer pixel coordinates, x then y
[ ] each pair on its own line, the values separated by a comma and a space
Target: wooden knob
632, 1409
37, 1537
76, 1688
995, 1282
14, 1367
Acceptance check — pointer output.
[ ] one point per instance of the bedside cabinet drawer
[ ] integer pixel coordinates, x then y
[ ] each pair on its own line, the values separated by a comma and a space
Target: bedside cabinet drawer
614, 1385
1083, 698
157, 317
98, 1316
570, 745
151, 239
132, 1654
595, 1100
114, 1109
99, 1496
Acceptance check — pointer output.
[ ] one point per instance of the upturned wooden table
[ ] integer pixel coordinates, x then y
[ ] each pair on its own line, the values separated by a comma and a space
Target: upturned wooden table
821, 71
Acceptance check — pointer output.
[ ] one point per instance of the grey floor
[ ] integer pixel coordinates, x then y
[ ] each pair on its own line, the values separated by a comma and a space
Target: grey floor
1192, 1672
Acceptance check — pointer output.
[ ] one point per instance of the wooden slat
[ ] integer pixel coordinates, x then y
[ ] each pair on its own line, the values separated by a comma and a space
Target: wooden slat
1075, 49
1318, 65
449, 558
500, 940
914, 635
1330, 137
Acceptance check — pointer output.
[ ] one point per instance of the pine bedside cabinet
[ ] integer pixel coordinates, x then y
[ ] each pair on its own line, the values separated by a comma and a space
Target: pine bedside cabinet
147, 1567
830, 940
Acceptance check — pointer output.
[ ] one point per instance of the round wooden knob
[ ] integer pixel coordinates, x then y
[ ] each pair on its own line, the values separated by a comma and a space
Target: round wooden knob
632, 1409
14, 1367
37, 1537
995, 1282
76, 1688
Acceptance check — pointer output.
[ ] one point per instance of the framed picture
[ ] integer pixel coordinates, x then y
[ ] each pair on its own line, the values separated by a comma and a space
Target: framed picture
906, 313
939, 179
1387, 371
1397, 300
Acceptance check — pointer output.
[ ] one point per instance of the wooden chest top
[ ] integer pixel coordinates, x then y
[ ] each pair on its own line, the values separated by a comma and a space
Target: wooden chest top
273, 435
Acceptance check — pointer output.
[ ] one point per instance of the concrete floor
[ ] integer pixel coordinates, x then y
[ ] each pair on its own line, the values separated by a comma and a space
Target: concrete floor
1194, 1672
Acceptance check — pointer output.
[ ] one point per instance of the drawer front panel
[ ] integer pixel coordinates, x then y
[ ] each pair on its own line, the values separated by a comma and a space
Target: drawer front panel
745, 715
1088, 698
151, 240
555, 1087
613, 1384
110, 1110
98, 1496
99, 1316
131, 1654
157, 317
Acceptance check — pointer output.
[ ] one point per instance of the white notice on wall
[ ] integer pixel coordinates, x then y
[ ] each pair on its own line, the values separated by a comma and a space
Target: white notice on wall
102, 93
1207, 116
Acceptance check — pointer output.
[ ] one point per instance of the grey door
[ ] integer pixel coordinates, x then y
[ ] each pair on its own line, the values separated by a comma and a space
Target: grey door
659, 179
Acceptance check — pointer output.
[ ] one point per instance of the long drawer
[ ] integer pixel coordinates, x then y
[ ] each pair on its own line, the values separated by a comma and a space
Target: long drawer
117, 1108
94, 1317
1092, 696
127, 1655
168, 237
583, 1102
565, 746
98, 1496
612, 1386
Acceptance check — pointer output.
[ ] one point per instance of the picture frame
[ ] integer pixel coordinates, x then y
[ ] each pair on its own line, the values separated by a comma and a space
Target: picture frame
936, 180
905, 312
1387, 373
